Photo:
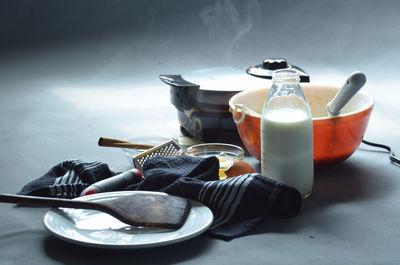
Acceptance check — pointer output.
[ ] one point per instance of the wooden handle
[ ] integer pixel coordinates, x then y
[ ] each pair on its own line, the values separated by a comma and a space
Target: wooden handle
110, 142
49, 202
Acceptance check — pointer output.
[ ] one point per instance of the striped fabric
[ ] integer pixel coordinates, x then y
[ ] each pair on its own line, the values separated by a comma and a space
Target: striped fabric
238, 204
67, 179
224, 197
67, 186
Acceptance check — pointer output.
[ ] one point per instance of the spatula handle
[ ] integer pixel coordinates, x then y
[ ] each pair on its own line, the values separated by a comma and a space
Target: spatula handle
52, 202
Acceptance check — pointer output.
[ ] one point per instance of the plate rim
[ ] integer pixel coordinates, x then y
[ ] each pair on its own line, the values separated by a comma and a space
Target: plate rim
207, 223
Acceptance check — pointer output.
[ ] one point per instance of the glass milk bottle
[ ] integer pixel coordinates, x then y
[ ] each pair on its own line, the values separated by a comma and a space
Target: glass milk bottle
287, 134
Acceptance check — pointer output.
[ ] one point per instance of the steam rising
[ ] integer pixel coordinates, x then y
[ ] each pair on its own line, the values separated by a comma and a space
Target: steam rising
227, 23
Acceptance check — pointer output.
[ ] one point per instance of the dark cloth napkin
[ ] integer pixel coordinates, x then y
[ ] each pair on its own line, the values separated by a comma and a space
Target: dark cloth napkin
238, 204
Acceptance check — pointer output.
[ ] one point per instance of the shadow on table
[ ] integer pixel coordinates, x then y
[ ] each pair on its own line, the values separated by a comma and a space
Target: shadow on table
67, 253
345, 183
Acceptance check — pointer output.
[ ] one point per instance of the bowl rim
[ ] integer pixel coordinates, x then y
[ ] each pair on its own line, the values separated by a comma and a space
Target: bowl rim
370, 103
239, 150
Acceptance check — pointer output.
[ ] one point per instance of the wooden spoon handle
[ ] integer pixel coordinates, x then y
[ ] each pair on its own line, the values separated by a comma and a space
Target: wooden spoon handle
110, 142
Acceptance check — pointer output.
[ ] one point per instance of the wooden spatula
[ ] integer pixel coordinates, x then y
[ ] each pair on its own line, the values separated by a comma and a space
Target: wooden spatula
151, 210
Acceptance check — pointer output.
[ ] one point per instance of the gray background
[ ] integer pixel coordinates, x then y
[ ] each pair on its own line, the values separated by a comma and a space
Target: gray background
72, 71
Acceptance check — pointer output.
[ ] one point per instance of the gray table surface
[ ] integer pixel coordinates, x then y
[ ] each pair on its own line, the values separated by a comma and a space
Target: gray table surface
67, 78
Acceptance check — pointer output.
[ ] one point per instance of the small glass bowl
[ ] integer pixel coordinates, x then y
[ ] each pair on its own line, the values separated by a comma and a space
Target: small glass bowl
226, 154
216, 149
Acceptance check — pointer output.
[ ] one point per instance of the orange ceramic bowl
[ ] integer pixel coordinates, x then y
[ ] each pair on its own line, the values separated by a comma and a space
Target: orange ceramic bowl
335, 138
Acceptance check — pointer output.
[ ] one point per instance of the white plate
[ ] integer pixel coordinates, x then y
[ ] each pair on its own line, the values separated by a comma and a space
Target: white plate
97, 229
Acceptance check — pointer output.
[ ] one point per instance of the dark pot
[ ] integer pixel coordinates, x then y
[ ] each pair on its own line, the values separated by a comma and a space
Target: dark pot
202, 97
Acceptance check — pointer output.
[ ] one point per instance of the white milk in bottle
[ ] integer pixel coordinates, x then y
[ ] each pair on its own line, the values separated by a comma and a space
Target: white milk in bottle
287, 134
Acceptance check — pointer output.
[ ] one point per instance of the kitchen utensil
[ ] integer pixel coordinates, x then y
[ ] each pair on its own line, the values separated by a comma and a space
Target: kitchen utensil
115, 183
167, 149
335, 137
352, 85
153, 141
201, 98
110, 142
150, 210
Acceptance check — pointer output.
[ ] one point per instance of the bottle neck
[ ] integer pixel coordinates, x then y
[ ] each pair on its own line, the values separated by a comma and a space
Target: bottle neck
284, 89
286, 76
286, 82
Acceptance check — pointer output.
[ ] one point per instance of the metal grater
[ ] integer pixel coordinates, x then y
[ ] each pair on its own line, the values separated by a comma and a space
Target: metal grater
167, 149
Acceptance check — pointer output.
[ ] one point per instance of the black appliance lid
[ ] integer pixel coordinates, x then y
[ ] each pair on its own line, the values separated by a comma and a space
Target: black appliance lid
269, 65
223, 79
